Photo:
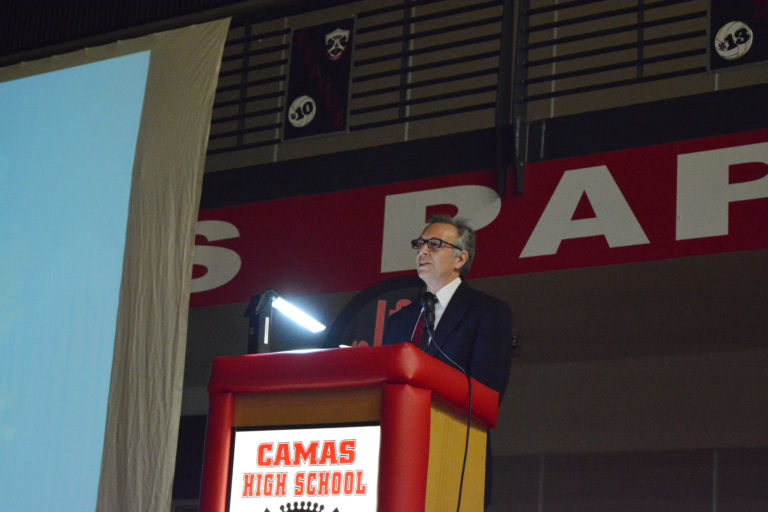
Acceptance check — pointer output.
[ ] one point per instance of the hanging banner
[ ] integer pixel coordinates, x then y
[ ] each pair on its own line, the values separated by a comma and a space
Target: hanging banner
738, 32
668, 201
318, 83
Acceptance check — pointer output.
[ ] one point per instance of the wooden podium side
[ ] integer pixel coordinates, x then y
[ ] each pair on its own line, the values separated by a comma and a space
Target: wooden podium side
448, 430
420, 403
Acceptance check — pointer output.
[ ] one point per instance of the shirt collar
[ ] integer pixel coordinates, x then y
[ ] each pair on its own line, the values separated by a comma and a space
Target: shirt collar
445, 293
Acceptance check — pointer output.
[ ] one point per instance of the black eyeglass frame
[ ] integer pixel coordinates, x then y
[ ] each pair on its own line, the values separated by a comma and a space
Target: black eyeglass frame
433, 244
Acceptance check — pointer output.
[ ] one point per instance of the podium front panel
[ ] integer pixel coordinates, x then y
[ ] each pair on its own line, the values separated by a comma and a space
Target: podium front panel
417, 403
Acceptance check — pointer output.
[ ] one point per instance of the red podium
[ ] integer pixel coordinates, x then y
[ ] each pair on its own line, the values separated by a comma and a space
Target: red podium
419, 402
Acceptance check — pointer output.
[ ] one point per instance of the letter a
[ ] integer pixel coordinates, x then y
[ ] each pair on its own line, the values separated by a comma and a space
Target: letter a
613, 217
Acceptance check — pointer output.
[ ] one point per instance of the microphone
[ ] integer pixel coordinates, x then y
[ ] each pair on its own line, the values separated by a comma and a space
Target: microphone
427, 300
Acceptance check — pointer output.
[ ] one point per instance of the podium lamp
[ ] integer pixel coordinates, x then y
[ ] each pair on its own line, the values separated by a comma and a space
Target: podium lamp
259, 313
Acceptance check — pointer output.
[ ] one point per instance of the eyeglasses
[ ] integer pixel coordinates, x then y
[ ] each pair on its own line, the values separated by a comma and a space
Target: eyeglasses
433, 244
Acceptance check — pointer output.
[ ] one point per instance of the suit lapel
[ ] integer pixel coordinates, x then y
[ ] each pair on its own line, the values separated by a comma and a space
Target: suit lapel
457, 308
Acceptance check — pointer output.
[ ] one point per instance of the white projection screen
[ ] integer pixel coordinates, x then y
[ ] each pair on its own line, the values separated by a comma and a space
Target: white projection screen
101, 162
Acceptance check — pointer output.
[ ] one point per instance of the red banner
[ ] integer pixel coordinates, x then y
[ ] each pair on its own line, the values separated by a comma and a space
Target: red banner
668, 201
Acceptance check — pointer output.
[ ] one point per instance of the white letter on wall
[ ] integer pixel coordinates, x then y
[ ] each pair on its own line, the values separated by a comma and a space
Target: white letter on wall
703, 191
613, 217
404, 218
223, 264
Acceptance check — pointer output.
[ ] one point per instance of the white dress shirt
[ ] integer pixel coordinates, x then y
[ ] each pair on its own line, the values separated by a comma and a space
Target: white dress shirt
444, 295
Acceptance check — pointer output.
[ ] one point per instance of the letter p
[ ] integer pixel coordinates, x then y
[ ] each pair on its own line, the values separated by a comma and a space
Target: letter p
704, 192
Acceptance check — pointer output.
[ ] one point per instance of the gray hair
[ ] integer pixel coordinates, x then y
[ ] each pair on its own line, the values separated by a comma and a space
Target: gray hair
465, 240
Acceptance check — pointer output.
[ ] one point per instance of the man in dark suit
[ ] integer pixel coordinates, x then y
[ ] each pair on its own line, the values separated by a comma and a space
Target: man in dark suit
473, 329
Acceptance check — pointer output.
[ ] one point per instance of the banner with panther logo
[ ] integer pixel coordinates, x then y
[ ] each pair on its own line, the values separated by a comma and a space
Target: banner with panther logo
318, 83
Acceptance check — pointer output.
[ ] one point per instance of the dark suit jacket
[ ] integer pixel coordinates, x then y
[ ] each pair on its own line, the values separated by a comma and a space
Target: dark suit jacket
475, 331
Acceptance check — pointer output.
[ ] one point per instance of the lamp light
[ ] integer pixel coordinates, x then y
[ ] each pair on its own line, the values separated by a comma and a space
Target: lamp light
260, 313
297, 315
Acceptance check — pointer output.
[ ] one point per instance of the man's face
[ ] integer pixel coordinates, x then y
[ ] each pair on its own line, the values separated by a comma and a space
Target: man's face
440, 267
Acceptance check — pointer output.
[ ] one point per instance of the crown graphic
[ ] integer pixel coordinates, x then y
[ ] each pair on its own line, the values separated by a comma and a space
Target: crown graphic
304, 506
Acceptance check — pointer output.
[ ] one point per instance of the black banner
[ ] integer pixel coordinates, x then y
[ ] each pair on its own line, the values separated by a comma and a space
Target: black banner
318, 84
738, 32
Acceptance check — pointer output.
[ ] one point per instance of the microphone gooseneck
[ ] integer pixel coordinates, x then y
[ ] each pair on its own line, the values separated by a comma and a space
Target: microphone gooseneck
427, 301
